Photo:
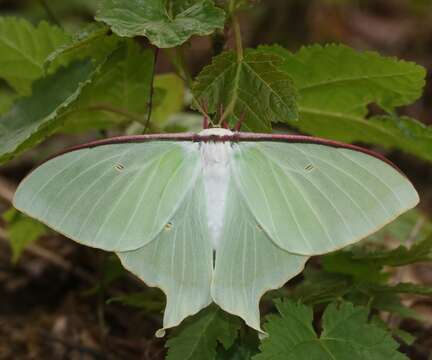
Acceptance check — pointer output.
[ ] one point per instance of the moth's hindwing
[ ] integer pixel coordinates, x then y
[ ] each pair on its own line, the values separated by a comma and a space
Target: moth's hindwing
179, 260
248, 262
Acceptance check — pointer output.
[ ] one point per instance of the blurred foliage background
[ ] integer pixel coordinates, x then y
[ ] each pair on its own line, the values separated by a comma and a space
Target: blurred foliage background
53, 302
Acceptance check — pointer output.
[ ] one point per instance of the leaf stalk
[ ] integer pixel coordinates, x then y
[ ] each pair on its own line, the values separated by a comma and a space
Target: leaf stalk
238, 38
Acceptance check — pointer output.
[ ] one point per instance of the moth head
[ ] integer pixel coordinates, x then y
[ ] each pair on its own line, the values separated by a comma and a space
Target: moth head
216, 132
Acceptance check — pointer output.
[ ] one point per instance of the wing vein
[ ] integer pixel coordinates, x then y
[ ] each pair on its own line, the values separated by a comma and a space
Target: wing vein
266, 201
373, 175
141, 198
294, 216
71, 181
77, 200
243, 284
169, 182
120, 198
68, 166
355, 203
355, 180
101, 197
325, 196
301, 192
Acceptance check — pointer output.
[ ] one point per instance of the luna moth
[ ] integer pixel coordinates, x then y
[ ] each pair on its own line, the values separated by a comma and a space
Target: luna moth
218, 216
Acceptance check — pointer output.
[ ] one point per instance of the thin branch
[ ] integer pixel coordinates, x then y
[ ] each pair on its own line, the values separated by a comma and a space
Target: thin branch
150, 100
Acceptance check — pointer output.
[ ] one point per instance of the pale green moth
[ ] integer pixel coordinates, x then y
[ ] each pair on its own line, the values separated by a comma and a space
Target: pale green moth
218, 216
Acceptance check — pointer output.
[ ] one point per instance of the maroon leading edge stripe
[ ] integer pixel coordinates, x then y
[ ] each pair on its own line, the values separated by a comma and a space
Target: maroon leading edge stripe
235, 137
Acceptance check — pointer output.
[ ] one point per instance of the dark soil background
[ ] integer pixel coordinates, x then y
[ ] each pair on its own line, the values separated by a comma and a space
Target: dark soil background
53, 303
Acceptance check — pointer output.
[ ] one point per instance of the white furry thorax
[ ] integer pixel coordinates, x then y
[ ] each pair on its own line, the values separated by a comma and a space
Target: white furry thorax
216, 157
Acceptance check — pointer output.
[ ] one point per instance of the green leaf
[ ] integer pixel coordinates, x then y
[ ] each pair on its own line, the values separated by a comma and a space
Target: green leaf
368, 266
7, 98
92, 42
244, 348
178, 6
21, 231
111, 270
152, 302
402, 133
23, 50
392, 303
237, 352
173, 99
401, 288
164, 27
338, 78
401, 256
405, 336
198, 337
372, 254
346, 334
411, 226
118, 92
33, 118
336, 84
253, 86
320, 287
341, 262
385, 297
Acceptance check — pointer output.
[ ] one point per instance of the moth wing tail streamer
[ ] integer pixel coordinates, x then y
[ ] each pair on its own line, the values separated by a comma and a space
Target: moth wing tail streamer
313, 198
115, 197
179, 261
248, 263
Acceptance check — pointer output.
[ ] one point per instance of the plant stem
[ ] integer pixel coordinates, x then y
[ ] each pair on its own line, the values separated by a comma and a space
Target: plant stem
239, 49
50, 13
237, 31
238, 38
150, 100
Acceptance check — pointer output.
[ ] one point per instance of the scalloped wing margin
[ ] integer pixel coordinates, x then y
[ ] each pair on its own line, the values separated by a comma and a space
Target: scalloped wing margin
312, 199
115, 197
179, 261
